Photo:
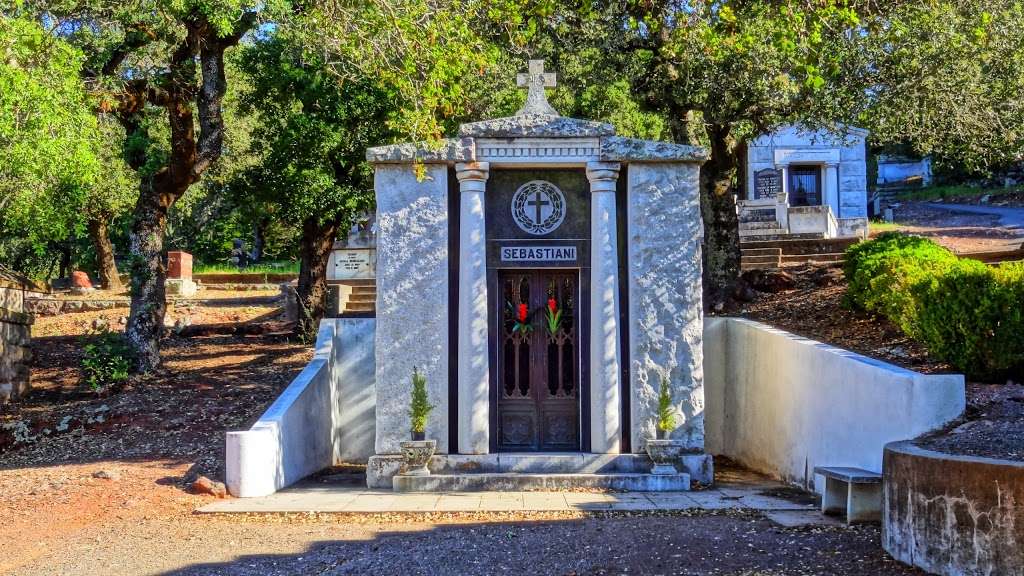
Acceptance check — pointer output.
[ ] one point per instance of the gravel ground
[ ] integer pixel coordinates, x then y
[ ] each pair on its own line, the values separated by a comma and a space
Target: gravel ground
735, 544
993, 424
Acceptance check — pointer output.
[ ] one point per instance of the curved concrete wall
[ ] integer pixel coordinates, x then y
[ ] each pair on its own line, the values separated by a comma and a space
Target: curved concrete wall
782, 404
324, 417
953, 515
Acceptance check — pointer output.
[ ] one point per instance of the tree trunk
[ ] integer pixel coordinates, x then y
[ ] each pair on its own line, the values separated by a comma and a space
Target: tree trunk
65, 260
148, 296
721, 224
105, 265
189, 158
311, 295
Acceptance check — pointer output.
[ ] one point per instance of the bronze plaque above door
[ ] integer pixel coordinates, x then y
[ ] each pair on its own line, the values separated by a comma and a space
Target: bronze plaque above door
538, 372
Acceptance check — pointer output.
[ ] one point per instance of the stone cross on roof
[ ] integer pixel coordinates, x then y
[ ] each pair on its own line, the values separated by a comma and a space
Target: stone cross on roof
536, 80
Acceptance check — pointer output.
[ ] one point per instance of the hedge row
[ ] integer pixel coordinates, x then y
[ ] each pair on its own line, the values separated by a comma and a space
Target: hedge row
965, 312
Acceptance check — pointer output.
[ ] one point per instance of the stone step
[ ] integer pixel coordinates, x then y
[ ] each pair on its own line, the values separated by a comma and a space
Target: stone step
808, 258
362, 297
770, 259
761, 252
762, 234
360, 306
513, 481
760, 225
765, 237
799, 246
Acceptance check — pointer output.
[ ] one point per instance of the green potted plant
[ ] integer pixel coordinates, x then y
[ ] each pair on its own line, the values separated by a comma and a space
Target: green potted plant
663, 451
417, 452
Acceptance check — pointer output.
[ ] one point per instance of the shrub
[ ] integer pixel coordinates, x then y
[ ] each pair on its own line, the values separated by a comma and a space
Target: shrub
420, 406
964, 312
107, 359
666, 411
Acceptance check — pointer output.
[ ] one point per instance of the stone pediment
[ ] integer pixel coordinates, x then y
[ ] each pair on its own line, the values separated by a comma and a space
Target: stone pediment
536, 126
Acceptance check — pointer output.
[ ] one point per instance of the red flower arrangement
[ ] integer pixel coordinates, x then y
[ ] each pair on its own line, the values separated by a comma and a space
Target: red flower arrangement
521, 313
554, 316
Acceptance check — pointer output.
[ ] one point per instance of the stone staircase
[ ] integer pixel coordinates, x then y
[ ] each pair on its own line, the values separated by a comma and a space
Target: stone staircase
356, 298
765, 253
553, 472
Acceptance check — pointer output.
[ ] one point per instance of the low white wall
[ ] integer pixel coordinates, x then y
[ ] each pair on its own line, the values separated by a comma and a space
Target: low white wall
319, 420
782, 404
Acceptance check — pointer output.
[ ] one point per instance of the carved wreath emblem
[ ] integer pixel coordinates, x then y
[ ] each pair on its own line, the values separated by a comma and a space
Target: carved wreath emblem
538, 207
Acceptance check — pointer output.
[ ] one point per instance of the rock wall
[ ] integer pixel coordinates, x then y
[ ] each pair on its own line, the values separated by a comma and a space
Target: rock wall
665, 308
412, 299
953, 515
15, 342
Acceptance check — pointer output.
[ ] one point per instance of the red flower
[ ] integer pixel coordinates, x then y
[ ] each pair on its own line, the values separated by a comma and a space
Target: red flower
522, 313
552, 305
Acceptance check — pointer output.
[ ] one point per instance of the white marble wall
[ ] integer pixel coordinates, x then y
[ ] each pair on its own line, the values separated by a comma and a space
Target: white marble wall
665, 308
412, 298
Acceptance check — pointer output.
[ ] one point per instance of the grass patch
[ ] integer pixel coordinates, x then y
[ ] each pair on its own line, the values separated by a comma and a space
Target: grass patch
279, 267
880, 226
953, 191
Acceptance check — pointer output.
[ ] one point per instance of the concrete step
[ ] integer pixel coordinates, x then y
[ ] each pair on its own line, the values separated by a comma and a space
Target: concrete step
808, 258
362, 297
514, 481
760, 225
761, 259
785, 236
804, 246
360, 306
761, 252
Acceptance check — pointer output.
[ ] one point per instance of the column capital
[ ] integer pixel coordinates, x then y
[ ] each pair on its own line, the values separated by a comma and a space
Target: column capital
603, 176
472, 176
832, 164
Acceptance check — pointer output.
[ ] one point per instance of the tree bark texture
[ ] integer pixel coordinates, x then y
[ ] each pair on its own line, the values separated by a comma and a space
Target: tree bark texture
314, 252
721, 224
183, 87
106, 267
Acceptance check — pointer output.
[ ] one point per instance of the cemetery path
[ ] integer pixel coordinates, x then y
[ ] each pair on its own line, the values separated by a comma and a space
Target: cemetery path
960, 227
1010, 217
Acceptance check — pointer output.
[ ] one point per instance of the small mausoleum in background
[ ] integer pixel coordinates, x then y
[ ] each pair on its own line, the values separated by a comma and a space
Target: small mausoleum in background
805, 184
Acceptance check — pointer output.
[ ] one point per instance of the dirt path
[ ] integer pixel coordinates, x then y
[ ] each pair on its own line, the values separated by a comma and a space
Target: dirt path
99, 485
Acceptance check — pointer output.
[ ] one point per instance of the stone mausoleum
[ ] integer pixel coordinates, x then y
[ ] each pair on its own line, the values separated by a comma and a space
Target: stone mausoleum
483, 238
803, 183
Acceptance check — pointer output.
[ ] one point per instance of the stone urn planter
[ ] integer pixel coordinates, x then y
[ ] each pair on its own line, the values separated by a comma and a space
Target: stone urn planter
417, 453
664, 453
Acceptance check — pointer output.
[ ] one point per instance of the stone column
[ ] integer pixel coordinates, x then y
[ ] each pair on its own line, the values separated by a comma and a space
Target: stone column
832, 187
605, 353
474, 370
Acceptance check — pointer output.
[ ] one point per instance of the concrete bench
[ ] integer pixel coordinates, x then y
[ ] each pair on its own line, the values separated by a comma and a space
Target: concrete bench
853, 491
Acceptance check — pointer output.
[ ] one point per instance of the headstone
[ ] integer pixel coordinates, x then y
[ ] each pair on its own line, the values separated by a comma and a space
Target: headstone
80, 279
179, 265
239, 257
355, 256
179, 274
767, 183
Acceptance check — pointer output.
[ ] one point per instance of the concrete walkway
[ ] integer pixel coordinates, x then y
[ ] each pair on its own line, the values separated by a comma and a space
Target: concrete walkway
781, 504
1010, 217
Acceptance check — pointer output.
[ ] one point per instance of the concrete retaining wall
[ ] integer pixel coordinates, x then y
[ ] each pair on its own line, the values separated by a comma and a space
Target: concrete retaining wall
782, 404
953, 515
324, 417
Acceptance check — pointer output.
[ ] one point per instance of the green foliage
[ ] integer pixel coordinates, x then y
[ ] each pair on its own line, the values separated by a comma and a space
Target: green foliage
419, 405
313, 133
666, 410
49, 157
965, 312
106, 359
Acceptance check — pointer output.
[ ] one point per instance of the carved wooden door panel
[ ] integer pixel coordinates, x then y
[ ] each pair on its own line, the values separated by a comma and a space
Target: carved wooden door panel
538, 361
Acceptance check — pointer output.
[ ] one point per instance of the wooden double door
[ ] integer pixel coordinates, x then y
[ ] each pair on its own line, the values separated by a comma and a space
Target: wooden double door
538, 352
